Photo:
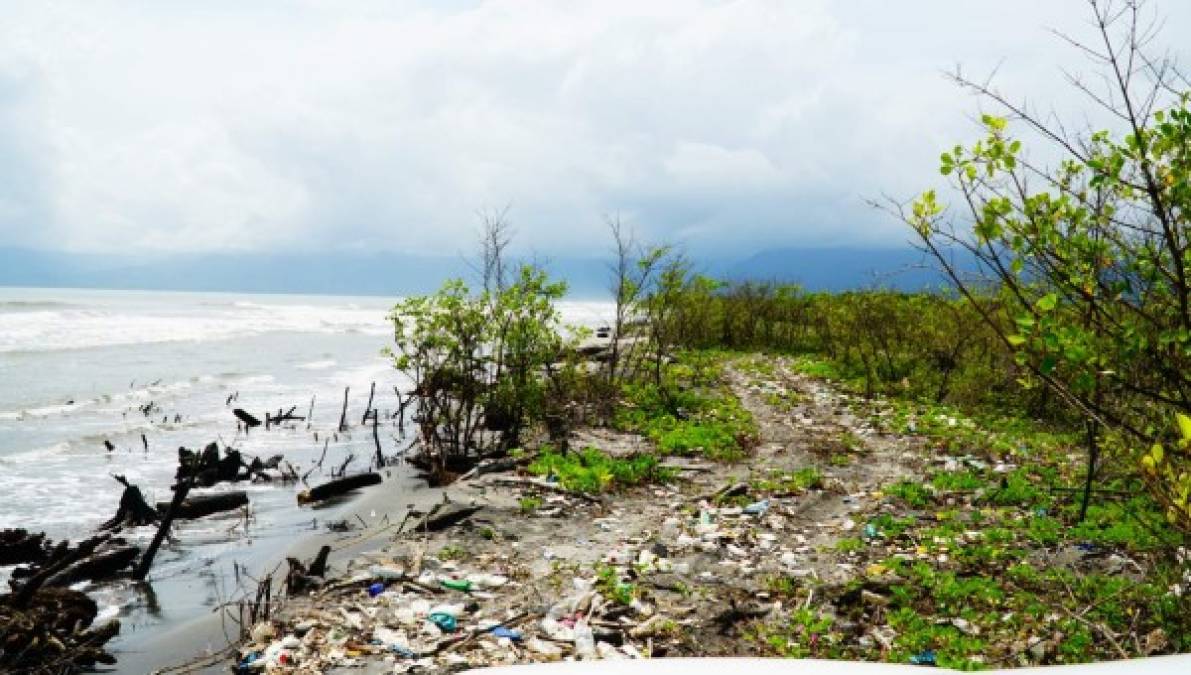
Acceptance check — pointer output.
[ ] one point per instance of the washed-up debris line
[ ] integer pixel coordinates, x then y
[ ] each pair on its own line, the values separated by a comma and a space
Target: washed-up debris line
726, 560
671, 570
418, 611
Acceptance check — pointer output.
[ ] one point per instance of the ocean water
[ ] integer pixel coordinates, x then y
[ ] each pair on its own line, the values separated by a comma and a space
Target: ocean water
80, 367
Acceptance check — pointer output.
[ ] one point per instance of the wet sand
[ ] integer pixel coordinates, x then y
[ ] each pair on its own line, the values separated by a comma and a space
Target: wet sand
183, 647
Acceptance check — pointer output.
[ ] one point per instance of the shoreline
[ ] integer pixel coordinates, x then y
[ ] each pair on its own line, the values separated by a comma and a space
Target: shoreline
192, 641
62, 484
557, 553
802, 547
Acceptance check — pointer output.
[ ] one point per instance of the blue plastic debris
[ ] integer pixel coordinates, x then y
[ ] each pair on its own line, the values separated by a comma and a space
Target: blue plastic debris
403, 652
444, 621
376, 589
757, 508
502, 632
245, 665
871, 531
924, 658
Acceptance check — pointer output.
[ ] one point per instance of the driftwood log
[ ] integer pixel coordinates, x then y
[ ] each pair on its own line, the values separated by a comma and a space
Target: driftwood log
337, 487
198, 506
181, 490
283, 416
318, 566
343, 415
368, 409
209, 468
302, 577
443, 516
100, 565
66, 558
53, 633
133, 509
247, 418
19, 546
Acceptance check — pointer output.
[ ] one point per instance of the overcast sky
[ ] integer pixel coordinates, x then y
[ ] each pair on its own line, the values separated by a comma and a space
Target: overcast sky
726, 126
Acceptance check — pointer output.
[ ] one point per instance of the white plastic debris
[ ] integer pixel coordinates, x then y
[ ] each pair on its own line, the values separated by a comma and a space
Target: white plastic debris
584, 640
483, 580
385, 572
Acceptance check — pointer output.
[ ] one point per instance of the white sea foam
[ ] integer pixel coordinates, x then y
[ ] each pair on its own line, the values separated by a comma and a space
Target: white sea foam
145, 392
44, 329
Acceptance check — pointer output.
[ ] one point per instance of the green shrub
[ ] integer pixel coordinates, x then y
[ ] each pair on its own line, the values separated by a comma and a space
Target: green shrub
910, 492
530, 503
593, 471
691, 413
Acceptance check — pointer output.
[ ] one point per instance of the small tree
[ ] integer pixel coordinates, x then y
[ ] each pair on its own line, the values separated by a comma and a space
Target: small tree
481, 361
442, 344
527, 337
633, 270
662, 308
1092, 254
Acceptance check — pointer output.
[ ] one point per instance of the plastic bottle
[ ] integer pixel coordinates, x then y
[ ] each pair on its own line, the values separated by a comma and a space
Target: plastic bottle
385, 573
457, 584
584, 640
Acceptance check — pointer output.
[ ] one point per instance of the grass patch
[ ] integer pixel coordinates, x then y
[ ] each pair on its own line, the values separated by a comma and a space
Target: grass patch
593, 471
805, 633
806, 478
986, 562
784, 401
612, 587
530, 503
849, 545
693, 412
815, 367
913, 494
451, 552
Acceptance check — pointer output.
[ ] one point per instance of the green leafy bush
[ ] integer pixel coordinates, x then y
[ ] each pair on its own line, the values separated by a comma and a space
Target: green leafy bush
593, 471
691, 413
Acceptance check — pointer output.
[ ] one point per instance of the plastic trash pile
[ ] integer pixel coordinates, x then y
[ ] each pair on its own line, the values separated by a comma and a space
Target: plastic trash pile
439, 618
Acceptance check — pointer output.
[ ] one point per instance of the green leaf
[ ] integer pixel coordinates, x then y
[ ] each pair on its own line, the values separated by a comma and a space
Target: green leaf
1047, 303
1184, 425
1048, 365
1016, 340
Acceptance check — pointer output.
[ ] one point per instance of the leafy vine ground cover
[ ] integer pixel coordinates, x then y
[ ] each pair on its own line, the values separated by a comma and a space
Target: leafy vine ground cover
979, 560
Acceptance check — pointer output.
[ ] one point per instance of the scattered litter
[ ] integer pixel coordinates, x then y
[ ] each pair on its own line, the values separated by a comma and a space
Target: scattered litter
456, 584
924, 658
444, 621
503, 632
584, 640
757, 508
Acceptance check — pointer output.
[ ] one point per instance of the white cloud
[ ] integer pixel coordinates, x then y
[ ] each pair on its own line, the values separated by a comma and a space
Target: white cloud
701, 165
727, 125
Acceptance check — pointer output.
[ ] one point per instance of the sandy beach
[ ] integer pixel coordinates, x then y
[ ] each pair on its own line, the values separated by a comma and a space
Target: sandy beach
700, 565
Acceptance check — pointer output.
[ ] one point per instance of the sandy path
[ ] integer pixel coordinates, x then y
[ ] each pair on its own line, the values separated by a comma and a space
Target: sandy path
694, 567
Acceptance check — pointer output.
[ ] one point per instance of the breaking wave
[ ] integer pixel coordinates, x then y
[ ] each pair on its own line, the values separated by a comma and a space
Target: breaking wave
54, 327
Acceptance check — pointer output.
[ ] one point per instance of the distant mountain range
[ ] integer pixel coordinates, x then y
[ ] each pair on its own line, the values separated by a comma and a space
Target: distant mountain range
403, 274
